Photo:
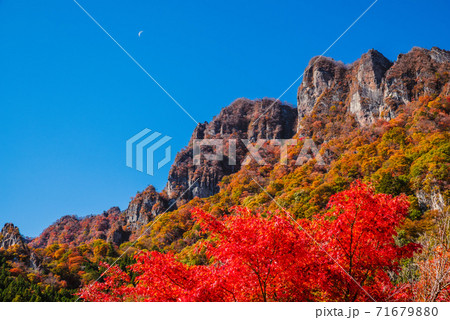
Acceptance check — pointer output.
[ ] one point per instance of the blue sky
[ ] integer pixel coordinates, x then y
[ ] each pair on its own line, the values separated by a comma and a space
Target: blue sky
70, 98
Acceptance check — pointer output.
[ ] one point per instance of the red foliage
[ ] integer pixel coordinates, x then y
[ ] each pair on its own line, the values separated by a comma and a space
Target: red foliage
113, 289
345, 255
358, 234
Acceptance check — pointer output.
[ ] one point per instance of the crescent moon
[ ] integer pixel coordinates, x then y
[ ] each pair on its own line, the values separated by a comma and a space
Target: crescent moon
139, 34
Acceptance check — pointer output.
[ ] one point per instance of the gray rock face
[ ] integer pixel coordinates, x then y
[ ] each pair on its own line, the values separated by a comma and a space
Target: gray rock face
323, 83
35, 262
372, 87
417, 73
243, 119
367, 86
10, 236
142, 209
118, 236
431, 201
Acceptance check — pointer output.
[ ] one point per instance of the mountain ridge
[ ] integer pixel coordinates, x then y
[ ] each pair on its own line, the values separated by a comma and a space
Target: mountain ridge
367, 90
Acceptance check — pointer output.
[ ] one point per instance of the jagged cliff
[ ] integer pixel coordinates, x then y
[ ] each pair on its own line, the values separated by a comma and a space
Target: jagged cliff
10, 236
11, 239
243, 119
370, 88
373, 87
144, 207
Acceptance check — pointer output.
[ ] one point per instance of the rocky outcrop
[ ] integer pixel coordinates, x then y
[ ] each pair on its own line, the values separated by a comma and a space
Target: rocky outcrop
373, 87
118, 235
11, 239
366, 86
73, 230
324, 84
113, 225
243, 119
10, 236
431, 200
419, 72
144, 207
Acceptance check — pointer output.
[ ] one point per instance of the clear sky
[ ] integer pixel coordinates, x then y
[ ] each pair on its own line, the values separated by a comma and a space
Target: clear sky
70, 98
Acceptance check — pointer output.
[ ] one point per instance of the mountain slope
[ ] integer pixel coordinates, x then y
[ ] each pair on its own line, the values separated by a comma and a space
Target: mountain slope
336, 104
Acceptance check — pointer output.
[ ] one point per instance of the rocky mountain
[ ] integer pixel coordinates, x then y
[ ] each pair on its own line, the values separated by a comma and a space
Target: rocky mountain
114, 226
73, 230
144, 207
12, 240
370, 88
373, 87
243, 119
10, 236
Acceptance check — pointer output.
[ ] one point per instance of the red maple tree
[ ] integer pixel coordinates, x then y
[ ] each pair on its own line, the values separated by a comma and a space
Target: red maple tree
347, 254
